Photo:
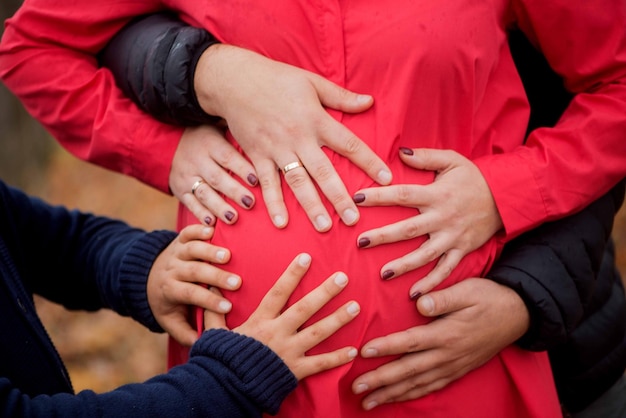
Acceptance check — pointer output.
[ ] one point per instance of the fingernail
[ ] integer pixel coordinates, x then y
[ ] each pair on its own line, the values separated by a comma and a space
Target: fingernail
233, 281
358, 198
353, 308
304, 260
406, 151
206, 231
363, 98
279, 221
384, 177
387, 274
371, 405
322, 223
341, 279
208, 220
428, 304
364, 242
229, 215
370, 352
252, 179
350, 216
220, 255
360, 388
247, 201
225, 306
415, 295
352, 353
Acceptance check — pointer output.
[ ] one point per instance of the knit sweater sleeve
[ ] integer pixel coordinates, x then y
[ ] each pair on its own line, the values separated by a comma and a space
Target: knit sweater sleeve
228, 375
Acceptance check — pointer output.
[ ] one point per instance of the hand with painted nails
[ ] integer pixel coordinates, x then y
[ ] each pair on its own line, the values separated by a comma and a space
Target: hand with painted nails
277, 113
201, 174
178, 280
282, 330
456, 211
473, 321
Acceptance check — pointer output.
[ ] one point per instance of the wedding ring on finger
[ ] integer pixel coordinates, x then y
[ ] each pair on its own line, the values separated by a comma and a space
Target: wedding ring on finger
292, 166
195, 186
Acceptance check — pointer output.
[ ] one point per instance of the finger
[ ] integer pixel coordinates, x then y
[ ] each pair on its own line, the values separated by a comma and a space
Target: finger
196, 295
320, 362
195, 232
336, 97
341, 140
229, 158
301, 311
324, 328
306, 194
429, 159
274, 301
179, 329
425, 254
221, 181
208, 197
408, 195
207, 274
400, 231
203, 251
214, 320
269, 180
198, 210
444, 301
420, 338
447, 262
325, 176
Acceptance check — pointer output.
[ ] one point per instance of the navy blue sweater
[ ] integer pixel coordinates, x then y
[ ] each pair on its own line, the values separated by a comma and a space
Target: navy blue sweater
88, 262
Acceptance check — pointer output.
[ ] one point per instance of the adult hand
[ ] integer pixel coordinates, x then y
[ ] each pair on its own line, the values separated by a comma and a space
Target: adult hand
474, 320
457, 212
176, 278
276, 113
204, 156
283, 332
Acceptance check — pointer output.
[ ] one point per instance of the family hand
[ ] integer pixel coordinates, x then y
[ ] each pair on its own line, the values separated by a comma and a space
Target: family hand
457, 212
282, 332
277, 114
199, 173
474, 320
174, 282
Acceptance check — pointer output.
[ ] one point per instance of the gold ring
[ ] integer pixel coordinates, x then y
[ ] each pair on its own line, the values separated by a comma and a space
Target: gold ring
291, 166
195, 186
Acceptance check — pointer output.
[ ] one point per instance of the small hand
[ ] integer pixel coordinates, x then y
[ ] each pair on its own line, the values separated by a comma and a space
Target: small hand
457, 212
282, 332
474, 320
204, 154
175, 279
276, 113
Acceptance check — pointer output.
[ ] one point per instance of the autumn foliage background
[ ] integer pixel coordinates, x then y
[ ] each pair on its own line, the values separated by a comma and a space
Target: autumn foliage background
102, 350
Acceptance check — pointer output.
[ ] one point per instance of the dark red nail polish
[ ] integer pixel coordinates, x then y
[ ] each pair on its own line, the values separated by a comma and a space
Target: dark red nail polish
252, 179
363, 242
208, 220
358, 198
415, 295
229, 215
247, 201
406, 151
387, 274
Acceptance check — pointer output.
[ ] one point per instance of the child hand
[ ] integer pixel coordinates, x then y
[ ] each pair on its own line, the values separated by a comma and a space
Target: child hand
175, 280
282, 331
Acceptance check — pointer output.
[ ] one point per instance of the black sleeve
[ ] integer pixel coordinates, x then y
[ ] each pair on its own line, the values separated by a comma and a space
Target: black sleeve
153, 60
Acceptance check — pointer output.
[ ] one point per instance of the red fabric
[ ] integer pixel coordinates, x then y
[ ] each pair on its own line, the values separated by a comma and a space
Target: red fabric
442, 77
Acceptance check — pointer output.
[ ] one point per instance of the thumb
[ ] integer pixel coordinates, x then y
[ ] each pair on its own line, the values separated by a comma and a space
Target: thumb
338, 98
428, 159
442, 302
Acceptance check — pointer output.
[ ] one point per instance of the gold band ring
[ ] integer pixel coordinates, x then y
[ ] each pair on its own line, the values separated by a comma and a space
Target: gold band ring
195, 186
291, 166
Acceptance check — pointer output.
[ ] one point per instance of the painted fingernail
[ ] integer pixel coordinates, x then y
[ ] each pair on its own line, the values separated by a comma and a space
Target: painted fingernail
220, 255
358, 198
304, 260
233, 281
370, 352
322, 223
229, 216
387, 274
247, 201
406, 151
360, 388
353, 308
252, 179
363, 242
208, 220
350, 216
279, 221
371, 405
384, 177
225, 306
415, 295
341, 279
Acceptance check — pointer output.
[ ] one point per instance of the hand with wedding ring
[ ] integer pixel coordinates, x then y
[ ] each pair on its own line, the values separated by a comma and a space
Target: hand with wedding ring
277, 113
200, 172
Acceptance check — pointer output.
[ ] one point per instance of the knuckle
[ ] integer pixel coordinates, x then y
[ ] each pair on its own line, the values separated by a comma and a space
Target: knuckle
404, 194
352, 144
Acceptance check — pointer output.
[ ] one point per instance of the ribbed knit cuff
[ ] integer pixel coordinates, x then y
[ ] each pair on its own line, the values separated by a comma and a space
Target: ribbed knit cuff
134, 271
262, 374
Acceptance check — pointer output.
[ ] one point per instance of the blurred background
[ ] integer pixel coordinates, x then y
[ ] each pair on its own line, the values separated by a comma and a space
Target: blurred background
101, 350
